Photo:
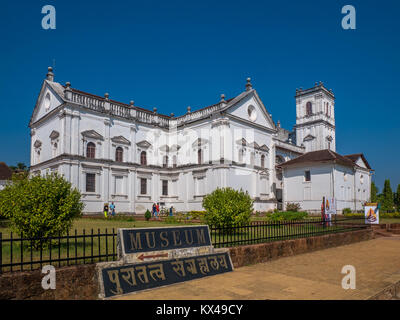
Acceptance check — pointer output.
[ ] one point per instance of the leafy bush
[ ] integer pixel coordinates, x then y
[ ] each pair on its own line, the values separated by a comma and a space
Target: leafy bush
42, 206
147, 215
293, 207
346, 211
170, 219
287, 216
197, 215
227, 207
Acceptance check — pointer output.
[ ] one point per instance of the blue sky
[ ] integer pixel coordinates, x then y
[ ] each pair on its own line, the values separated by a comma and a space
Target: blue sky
171, 54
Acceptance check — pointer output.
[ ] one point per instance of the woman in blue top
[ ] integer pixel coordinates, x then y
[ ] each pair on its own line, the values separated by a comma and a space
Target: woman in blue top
112, 208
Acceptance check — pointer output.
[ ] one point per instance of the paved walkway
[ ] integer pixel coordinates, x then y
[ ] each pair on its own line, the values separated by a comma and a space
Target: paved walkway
315, 275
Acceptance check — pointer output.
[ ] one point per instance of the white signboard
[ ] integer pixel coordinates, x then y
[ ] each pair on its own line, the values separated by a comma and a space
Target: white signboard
330, 206
371, 211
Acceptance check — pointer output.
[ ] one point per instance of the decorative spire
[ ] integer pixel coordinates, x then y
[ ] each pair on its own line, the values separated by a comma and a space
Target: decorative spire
106, 95
222, 98
172, 115
132, 103
50, 74
188, 109
67, 91
248, 85
155, 110
279, 123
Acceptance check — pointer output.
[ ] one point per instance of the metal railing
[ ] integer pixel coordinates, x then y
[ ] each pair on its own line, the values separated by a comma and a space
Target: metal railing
23, 254
266, 231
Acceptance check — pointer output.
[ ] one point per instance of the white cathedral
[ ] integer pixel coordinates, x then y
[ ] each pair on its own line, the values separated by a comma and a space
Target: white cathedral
112, 151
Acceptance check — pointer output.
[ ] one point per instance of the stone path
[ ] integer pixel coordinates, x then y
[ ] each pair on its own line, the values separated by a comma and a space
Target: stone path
315, 275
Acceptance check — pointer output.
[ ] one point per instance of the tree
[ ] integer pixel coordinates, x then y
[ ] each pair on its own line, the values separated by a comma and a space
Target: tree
21, 166
397, 198
227, 207
387, 199
374, 192
40, 207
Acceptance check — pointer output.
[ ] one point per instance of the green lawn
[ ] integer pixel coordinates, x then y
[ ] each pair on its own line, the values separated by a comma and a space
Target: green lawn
101, 244
91, 239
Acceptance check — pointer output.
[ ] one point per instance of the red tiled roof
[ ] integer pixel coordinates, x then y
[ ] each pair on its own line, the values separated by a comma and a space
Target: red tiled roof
354, 157
5, 172
320, 156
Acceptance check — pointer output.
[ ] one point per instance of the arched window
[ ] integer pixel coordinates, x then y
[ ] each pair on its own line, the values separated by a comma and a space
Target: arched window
262, 161
174, 162
199, 157
165, 161
143, 158
91, 150
308, 109
119, 152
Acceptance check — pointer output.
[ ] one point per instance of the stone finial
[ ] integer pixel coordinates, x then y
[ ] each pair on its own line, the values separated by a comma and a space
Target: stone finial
316, 83
67, 91
222, 98
279, 124
189, 109
131, 103
50, 74
155, 110
172, 115
248, 84
106, 95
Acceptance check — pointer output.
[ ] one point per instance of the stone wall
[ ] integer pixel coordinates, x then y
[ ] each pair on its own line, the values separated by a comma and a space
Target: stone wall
257, 253
74, 282
80, 282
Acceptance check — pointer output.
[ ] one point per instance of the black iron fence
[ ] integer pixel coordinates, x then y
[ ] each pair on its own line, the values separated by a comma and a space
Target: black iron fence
265, 231
18, 253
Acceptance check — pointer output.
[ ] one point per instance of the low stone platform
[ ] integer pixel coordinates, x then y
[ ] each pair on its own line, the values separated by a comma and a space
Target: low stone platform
315, 275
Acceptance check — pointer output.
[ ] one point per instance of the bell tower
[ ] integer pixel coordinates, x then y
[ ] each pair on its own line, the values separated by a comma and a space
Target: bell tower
315, 118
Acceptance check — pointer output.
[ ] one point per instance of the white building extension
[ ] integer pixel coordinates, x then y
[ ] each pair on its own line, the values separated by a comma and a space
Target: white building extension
324, 173
119, 152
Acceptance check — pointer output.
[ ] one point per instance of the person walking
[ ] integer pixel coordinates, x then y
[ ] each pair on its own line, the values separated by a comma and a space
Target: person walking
105, 210
171, 211
158, 210
112, 208
154, 210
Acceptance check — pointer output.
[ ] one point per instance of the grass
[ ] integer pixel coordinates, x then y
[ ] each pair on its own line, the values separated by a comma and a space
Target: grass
102, 246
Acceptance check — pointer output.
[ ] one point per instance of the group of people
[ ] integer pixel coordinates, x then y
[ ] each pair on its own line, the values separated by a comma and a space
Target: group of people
156, 210
109, 208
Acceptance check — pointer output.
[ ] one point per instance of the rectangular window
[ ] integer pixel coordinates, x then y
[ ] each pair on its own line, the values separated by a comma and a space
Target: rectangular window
118, 184
143, 186
164, 187
307, 176
90, 182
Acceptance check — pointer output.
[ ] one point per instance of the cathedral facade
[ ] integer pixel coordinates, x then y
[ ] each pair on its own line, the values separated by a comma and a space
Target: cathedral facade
133, 156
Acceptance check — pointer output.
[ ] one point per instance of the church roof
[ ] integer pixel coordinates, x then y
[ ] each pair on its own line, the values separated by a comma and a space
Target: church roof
5, 172
325, 155
354, 157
